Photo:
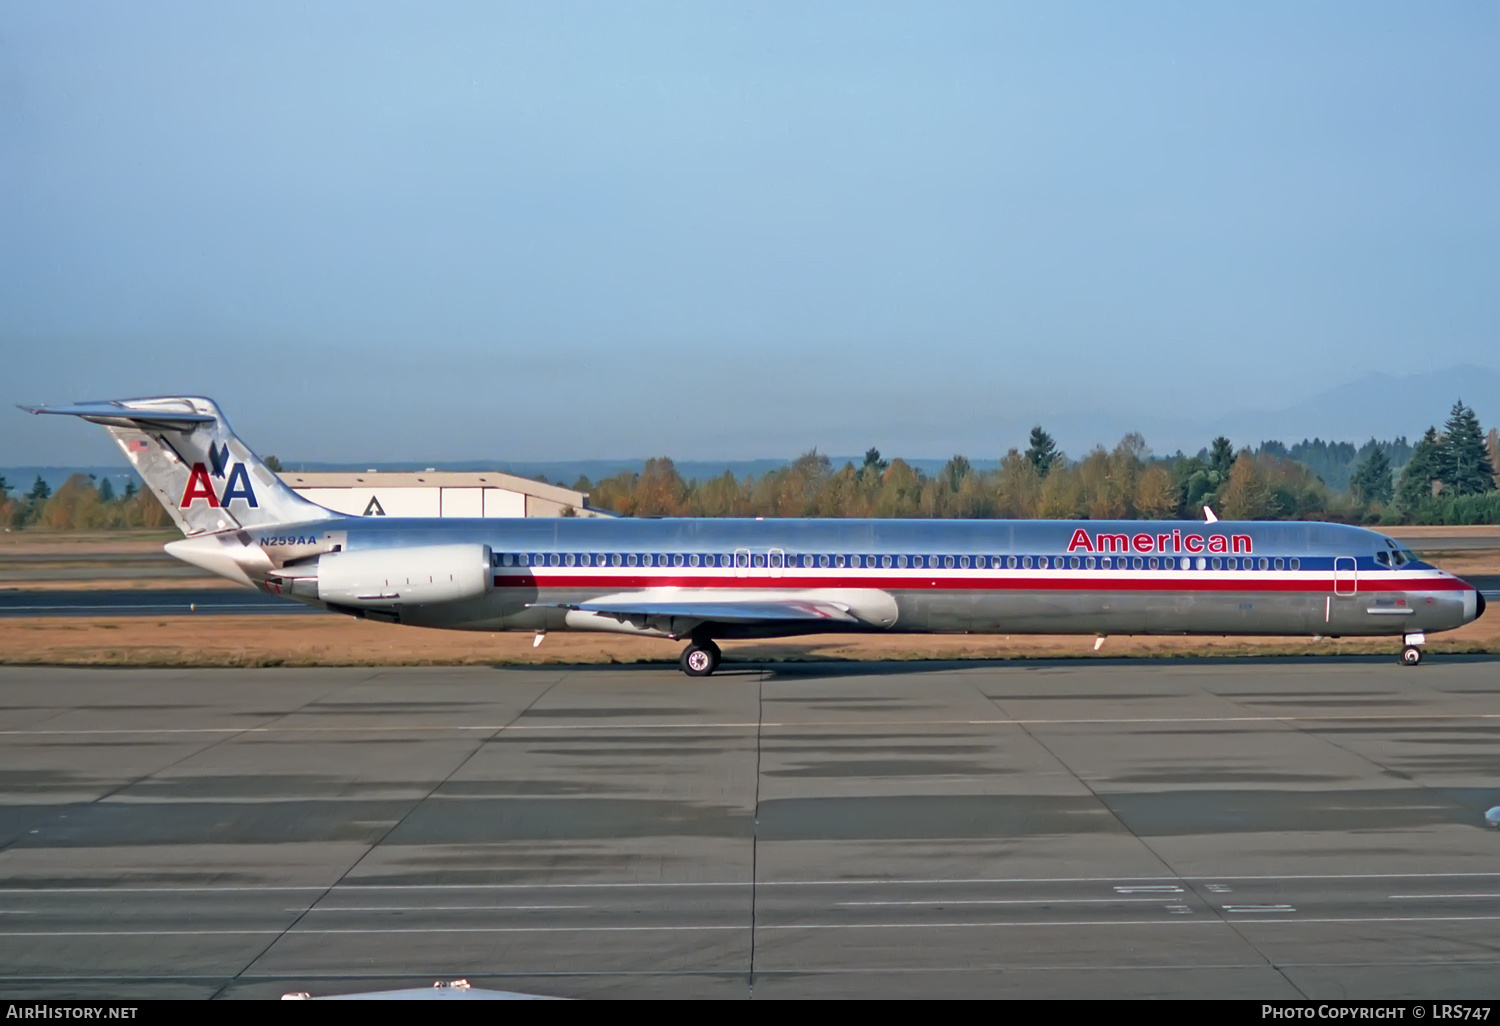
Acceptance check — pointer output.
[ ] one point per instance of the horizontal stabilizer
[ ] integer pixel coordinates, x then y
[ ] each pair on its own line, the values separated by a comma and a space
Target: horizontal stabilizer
149, 414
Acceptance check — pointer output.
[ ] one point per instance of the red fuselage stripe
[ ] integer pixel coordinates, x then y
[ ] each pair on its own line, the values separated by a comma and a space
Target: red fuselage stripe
1183, 582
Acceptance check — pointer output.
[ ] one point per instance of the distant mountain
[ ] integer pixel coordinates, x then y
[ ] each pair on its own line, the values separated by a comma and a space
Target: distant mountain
1379, 404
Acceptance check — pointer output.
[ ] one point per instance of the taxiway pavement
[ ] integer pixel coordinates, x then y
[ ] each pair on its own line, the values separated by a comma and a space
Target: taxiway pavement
1208, 828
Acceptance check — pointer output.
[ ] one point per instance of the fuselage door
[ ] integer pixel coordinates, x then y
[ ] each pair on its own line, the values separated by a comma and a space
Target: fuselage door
777, 561
742, 562
1345, 576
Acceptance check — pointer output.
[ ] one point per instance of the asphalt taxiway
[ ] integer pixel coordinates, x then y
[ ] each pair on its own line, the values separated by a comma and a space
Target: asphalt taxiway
1207, 828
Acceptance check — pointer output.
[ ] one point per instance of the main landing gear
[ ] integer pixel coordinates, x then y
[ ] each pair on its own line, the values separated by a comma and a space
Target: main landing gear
1411, 655
700, 658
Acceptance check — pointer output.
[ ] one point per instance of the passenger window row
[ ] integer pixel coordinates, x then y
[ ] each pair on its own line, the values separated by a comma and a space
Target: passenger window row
775, 560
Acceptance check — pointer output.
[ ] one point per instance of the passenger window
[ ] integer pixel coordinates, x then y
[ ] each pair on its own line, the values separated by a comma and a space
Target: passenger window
1026, 562
1153, 563
1216, 563
631, 559
1296, 563
553, 559
1280, 564
1138, 562
1073, 562
901, 561
1201, 563
948, 562
585, 559
1010, 561
693, 559
854, 561
822, 560
760, 559
963, 562
838, 561
1088, 562
1265, 564
505, 560
885, 561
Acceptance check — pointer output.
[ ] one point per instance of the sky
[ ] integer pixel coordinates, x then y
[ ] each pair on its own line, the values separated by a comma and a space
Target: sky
539, 231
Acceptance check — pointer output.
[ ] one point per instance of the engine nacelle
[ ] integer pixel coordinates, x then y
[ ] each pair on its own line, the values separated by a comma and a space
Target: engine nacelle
415, 576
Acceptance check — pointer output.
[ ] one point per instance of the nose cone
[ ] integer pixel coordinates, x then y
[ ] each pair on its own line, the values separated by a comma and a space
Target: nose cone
1478, 604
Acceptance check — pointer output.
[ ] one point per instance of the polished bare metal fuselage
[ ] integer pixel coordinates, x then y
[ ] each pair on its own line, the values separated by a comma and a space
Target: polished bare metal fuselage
1179, 583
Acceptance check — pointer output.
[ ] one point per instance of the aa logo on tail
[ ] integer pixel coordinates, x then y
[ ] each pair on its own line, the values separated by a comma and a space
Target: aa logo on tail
201, 486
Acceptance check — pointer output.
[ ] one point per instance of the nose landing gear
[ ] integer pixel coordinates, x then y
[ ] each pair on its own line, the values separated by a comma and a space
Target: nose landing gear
700, 658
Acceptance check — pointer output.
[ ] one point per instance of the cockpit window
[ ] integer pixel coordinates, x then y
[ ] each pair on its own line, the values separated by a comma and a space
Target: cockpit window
1383, 558
1402, 556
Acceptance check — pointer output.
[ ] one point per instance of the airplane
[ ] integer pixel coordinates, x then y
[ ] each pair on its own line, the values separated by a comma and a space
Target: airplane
707, 580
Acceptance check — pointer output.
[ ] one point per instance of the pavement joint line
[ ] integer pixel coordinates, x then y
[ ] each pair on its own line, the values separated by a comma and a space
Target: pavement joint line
351, 867
732, 725
736, 927
353, 887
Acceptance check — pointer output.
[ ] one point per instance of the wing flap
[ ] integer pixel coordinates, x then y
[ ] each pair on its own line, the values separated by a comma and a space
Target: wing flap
787, 611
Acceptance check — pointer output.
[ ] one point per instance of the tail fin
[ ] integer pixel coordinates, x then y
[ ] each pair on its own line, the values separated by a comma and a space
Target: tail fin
207, 479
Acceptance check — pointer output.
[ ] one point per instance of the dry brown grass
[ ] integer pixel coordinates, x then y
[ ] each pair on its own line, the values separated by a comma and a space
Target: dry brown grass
322, 640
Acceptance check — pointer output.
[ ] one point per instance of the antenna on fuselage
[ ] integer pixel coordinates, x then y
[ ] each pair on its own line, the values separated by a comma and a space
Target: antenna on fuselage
1208, 515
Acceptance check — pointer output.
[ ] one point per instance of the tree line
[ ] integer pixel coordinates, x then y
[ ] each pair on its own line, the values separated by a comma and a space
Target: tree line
81, 503
1446, 477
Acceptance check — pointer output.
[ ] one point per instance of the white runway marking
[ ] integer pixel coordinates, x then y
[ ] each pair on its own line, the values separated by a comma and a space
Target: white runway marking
1259, 908
1001, 901
436, 908
1419, 897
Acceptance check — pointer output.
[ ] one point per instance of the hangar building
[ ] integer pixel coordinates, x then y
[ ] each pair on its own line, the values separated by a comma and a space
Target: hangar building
437, 494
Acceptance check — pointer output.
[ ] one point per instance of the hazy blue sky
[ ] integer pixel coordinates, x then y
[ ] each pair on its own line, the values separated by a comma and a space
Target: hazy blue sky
612, 229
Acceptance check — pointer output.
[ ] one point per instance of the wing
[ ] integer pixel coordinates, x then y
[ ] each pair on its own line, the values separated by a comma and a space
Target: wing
763, 611
798, 609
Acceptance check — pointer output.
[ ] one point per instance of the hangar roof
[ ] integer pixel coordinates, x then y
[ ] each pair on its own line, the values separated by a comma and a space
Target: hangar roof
436, 479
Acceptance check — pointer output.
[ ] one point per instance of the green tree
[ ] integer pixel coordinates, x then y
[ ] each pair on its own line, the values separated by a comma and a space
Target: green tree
1221, 457
1465, 468
1042, 452
106, 491
955, 471
273, 464
1420, 471
1371, 480
1248, 495
40, 491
